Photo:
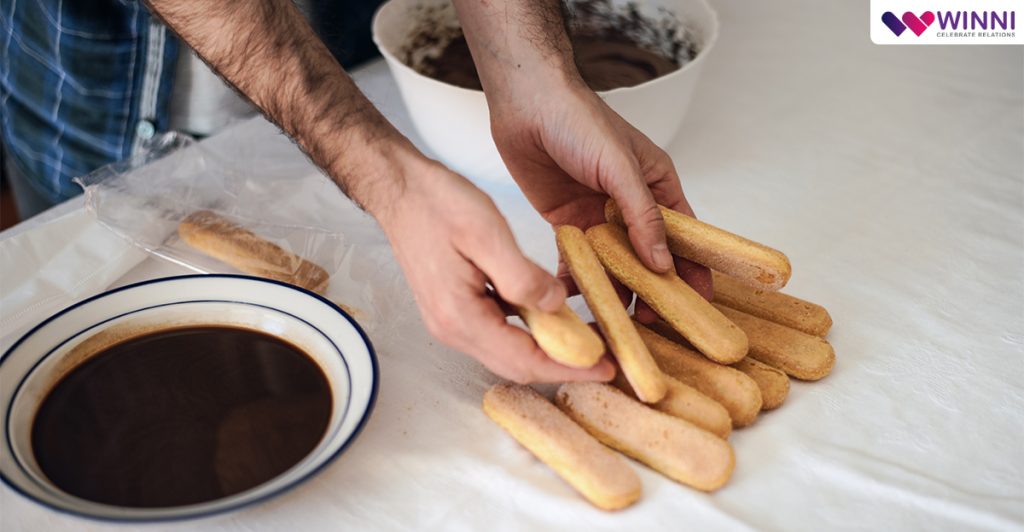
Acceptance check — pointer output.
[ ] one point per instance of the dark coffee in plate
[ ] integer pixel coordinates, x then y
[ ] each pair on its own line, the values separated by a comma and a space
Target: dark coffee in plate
181, 416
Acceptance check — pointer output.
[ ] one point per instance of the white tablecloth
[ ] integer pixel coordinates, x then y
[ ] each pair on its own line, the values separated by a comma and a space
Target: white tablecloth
893, 177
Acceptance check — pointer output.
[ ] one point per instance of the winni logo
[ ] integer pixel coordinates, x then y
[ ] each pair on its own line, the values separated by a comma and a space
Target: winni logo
916, 23
958, 23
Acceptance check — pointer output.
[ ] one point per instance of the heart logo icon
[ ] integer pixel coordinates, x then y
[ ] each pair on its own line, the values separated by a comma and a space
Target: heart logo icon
893, 23
918, 23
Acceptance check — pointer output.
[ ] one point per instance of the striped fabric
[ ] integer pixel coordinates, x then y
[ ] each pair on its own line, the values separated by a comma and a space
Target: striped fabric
82, 83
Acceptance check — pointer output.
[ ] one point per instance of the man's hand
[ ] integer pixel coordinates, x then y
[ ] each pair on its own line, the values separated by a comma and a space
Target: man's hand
447, 235
452, 242
567, 150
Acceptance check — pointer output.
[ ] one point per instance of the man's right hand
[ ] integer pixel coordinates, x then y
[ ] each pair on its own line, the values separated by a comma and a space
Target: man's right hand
447, 235
451, 242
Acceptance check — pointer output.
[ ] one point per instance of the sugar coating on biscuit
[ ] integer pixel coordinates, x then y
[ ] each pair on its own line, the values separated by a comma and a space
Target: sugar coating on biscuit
800, 355
783, 309
250, 253
674, 300
756, 264
603, 477
734, 390
611, 316
686, 402
774, 383
676, 448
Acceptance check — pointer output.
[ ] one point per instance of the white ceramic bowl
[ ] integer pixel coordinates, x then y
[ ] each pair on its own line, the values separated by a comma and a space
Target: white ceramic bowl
327, 334
454, 122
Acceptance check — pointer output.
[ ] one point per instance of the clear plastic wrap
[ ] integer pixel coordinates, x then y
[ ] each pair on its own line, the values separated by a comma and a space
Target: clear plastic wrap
256, 208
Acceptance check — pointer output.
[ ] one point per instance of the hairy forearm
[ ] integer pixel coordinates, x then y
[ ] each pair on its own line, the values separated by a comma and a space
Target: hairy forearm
517, 43
271, 55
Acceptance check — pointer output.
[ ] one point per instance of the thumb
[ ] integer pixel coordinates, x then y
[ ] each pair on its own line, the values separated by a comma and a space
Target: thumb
517, 279
636, 209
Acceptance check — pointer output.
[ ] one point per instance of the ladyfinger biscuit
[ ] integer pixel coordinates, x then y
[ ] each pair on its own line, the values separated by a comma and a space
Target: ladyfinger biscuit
753, 263
673, 447
613, 320
737, 392
596, 472
772, 306
800, 355
678, 304
564, 336
685, 402
774, 384
228, 242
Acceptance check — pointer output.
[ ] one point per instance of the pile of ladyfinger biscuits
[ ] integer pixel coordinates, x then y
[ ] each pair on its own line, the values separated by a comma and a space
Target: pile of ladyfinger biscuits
684, 382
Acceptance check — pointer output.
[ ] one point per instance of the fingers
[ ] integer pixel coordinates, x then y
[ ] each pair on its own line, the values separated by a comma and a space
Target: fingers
467, 316
506, 308
665, 184
517, 279
695, 275
644, 223
511, 352
660, 172
668, 191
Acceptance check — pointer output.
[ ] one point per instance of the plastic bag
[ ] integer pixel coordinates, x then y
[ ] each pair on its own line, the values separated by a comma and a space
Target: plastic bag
260, 187
64, 255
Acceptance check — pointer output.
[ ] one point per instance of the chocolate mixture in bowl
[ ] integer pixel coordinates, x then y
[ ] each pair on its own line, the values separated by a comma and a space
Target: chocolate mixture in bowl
615, 46
604, 63
609, 63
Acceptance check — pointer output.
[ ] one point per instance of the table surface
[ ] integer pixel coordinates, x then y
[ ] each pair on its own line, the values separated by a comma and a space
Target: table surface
893, 177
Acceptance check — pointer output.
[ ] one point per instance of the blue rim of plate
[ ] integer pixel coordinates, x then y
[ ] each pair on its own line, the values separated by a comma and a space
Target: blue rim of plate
371, 403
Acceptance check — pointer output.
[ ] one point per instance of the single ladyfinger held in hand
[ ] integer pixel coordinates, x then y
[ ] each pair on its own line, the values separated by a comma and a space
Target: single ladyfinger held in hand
686, 402
675, 448
669, 296
603, 477
563, 336
613, 320
800, 355
753, 263
737, 392
781, 308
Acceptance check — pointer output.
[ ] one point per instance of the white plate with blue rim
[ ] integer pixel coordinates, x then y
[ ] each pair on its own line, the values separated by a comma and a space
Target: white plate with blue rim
62, 348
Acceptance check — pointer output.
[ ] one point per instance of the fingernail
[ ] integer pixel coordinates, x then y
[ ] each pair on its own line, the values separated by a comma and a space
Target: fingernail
662, 258
552, 298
